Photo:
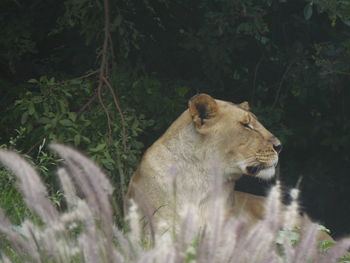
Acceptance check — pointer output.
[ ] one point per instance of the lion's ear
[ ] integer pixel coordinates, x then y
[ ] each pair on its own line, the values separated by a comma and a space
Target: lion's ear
202, 107
244, 105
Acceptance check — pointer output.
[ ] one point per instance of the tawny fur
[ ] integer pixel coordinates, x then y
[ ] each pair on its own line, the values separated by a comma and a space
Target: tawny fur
212, 140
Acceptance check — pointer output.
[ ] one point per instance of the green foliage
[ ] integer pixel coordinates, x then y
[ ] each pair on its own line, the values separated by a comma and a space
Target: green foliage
85, 15
334, 9
159, 101
10, 199
288, 58
51, 112
17, 39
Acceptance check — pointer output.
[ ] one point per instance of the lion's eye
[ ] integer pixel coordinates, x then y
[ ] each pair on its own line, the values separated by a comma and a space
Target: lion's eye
247, 125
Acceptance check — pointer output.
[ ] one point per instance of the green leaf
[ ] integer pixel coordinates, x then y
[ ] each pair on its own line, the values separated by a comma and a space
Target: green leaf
43, 79
290, 235
325, 245
32, 81
46, 107
134, 126
44, 120
47, 126
308, 11
66, 93
51, 81
85, 139
66, 122
236, 75
76, 139
323, 228
118, 20
24, 117
75, 81
108, 157
31, 108
72, 116
63, 106
98, 148
264, 40
182, 91
345, 21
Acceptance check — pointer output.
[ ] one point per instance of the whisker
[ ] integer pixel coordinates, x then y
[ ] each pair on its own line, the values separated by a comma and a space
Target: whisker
246, 161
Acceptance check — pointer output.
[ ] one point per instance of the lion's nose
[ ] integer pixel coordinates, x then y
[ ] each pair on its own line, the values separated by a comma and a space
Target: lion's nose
277, 146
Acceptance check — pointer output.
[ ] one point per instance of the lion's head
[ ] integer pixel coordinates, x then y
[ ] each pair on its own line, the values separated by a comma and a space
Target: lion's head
235, 136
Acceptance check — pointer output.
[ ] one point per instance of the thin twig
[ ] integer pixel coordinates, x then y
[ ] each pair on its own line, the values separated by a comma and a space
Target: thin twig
281, 83
111, 45
103, 80
87, 104
103, 71
99, 93
104, 66
88, 74
116, 103
32, 148
335, 72
255, 75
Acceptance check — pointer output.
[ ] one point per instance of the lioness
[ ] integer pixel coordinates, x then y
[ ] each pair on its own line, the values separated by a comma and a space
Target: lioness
211, 137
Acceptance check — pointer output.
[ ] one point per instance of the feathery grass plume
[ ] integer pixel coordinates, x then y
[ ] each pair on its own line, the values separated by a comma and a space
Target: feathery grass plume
292, 211
134, 236
90, 179
308, 240
29, 183
68, 188
86, 231
259, 242
216, 207
290, 220
188, 229
124, 247
19, 243
95, 187
273, 206
147, 211
5, 259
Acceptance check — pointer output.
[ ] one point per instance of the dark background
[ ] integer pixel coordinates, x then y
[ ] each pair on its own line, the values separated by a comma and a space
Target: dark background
289, 59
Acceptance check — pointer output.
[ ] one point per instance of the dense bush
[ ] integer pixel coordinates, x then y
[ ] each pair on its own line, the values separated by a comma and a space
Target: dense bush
289, 58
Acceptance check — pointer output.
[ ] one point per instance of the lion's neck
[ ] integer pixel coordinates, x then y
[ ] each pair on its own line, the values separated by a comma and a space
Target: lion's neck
180, 166
194, 171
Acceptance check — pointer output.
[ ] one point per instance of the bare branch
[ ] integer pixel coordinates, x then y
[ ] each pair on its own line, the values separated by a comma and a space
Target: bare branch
331, 72
255, 75
99, 93
88, 74
87, 104
281, 83
103, 79
116, 103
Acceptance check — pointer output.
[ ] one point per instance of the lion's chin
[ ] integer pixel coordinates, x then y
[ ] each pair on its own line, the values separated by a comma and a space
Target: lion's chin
265, 173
